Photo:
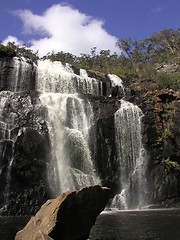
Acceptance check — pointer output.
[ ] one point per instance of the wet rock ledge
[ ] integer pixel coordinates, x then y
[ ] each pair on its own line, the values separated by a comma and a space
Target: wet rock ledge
70, 216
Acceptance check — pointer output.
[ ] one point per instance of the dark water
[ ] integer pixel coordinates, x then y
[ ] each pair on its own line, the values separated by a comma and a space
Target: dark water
9, 226
137, 225
122, 225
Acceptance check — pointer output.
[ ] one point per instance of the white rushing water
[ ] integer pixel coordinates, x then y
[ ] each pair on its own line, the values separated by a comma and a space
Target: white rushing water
6, 135
70, 119
131, 156
69, 122
116, 82
58, 77
21, 75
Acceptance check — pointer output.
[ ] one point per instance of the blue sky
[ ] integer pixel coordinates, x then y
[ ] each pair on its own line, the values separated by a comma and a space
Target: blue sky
78, 25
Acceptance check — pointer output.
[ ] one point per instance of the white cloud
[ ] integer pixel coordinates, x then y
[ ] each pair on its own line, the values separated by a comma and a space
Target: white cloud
62, 28
12, 39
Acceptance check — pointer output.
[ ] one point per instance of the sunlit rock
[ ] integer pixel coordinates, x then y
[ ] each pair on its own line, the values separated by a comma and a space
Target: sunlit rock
69, 216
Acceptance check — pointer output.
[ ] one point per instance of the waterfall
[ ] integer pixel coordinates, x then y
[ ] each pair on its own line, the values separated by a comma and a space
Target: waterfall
69, 119
56, 103
69, 122
117, 82
21, 76
58, 77
50, 101
131, 156
7, 141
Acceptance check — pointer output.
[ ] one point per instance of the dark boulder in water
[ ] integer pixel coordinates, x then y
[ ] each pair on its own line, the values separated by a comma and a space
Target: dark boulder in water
69, 216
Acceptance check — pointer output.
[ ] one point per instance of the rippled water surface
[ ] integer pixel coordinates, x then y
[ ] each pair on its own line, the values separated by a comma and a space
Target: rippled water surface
119, 225
137, 225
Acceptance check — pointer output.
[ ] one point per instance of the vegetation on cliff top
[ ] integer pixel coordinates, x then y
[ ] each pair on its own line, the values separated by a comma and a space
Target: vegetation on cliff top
7, 51
156, 58
12, 50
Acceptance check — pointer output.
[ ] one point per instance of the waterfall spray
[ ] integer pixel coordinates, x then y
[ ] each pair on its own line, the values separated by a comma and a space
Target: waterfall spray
69, 121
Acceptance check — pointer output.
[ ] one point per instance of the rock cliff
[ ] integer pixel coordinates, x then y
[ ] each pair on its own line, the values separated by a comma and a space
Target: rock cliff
161, 133
24, 150
26, 146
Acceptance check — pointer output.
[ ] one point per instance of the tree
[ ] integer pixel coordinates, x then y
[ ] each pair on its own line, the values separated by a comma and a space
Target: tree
125, 44
7, 51
23, 51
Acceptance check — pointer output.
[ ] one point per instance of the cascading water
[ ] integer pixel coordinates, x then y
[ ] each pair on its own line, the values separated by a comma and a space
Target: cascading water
70, 119
7, 140
117, 82
48, 101
21, 75
131, 155
56, 77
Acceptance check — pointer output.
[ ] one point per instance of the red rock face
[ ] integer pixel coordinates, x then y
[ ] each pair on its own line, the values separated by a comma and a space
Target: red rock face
69, 216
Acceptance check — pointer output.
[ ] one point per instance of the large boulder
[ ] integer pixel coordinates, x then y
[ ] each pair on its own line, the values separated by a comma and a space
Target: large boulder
70, 216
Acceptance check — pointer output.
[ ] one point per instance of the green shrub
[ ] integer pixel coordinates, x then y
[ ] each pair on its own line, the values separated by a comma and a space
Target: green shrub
169, 164
164, 135
164, 80
131, 75
6, 51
